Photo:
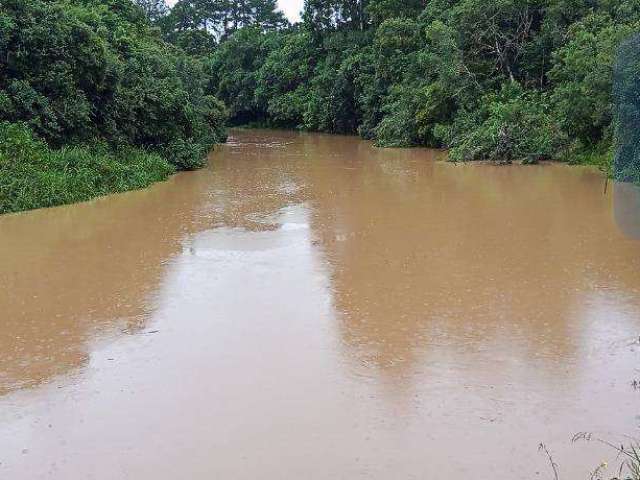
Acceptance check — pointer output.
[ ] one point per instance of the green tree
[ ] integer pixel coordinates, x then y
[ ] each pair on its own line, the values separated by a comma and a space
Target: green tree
89, 70
320, 15
153, 9
582, 75
222, 17
234, 73
381, 10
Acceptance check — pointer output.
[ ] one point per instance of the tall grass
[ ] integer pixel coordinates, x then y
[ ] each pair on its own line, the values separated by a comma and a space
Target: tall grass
33, 176
627, 455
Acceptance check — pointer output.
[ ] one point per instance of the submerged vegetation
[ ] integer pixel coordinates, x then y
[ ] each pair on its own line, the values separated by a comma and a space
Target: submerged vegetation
499, 79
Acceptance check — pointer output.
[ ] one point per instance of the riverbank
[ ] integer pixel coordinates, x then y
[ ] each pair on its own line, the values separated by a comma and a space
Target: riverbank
33, 175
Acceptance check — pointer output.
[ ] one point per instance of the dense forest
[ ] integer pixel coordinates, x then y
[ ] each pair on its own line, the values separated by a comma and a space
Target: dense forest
108, 95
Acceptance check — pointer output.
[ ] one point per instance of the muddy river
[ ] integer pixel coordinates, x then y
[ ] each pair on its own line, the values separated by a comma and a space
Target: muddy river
310, 307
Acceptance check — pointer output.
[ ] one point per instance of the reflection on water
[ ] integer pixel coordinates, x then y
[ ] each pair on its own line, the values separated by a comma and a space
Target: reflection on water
310, 306
74, 273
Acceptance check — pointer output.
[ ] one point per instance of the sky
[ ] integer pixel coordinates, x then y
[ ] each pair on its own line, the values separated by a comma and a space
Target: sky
291, 8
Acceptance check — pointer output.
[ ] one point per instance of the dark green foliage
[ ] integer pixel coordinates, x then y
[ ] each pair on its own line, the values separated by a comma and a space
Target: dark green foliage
334, 93
511, 125
89, 72
234, 72
222, 17
80, 70
283, 79
319, 15
33, 176
583, 75
195, 42
155, 10
381, 10
490, 79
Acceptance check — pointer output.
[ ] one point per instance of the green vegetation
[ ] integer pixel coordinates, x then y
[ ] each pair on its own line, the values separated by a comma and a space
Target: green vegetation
32, 175
117, 106
628, 458
501, 80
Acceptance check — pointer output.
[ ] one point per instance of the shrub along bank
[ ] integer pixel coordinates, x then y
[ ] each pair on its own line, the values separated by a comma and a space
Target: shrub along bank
32, 175
95, 101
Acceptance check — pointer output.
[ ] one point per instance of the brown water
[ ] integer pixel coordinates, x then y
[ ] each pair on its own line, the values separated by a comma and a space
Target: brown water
310, 307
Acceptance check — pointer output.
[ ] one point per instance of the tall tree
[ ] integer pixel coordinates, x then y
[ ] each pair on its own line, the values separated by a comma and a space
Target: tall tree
223, 17
153, 9
267, 16
320, 15
381, 10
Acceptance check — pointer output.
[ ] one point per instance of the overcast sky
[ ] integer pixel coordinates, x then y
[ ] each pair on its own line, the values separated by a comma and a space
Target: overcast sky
291, 8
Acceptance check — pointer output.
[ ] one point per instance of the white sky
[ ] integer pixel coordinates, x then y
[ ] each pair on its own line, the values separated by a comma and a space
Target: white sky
291, 8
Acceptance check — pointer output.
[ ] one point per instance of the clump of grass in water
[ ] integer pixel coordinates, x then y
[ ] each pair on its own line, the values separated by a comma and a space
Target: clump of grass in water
630, 457
629, 468
34, 176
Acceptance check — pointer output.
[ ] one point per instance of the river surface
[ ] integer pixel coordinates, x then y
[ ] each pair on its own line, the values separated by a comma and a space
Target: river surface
310, 307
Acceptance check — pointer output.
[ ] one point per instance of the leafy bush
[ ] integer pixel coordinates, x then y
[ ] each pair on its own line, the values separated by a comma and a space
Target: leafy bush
234, 69
334, 102
283, 79
514, 124
398, 127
